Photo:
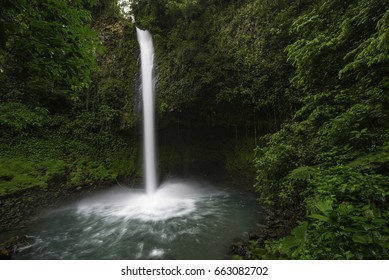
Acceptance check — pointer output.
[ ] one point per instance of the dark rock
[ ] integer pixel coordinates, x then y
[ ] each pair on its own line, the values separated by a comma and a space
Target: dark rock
10, 247
239, 247
19, 207
4, 255
279, 223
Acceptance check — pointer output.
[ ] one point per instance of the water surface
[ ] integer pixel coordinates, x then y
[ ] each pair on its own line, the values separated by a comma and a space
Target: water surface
182, 220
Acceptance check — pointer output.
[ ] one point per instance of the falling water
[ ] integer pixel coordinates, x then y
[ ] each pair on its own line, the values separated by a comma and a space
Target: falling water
148, 86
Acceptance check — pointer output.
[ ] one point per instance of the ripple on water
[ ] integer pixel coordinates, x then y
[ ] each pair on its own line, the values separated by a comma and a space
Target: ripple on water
182, 220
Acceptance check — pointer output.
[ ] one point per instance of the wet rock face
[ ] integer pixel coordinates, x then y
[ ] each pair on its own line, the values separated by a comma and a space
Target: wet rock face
239, 247
10, 247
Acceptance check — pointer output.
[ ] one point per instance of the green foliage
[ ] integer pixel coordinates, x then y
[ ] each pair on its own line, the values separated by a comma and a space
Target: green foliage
332, 156
22, 173
240, 159
336, 125
48, 50
109, 103
302, 173
348, 219
46, 47
250, 41
34, 162
85, 172
222, 61
107, 11
356, 33
18, 173
17, 117
282, 158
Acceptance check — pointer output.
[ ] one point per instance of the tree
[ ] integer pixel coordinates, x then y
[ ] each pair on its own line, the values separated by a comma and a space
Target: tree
46, 48
332, 157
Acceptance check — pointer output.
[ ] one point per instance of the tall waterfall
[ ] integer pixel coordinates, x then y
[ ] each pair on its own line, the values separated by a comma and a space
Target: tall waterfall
148, 88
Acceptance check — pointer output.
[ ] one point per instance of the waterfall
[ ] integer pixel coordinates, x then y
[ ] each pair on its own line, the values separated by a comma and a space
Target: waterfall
148, 88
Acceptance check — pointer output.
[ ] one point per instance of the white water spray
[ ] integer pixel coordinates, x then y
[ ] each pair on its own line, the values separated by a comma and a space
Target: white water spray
148, 89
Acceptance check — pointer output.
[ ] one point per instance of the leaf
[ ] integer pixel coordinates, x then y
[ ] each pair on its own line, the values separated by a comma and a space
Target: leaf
288, 243
363, 239
293, 242
302, 173
300, 231
324, 206
368, 227
320, 217
379, 222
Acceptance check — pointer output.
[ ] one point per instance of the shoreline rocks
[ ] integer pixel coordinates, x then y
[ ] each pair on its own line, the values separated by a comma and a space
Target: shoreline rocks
279, 223
11, 246
17, 209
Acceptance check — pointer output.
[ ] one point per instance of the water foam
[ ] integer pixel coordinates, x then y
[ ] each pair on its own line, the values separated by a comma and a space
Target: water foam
172, 199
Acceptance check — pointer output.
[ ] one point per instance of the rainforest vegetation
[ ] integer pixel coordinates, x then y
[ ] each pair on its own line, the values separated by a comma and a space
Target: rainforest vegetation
291, 95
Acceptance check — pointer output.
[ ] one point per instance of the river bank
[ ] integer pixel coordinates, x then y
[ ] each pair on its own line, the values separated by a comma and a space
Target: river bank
21, 213
18, 208
279, 223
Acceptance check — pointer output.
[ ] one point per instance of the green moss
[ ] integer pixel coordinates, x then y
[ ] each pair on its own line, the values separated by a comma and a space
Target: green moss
86, 172
19, 173
34, 162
